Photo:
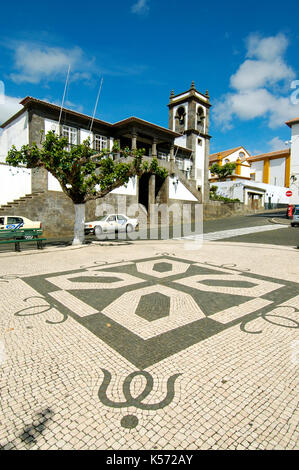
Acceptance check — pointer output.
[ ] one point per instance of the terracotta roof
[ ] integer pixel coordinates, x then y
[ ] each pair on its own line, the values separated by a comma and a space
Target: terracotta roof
275, 154
137, 120
225, 153
292, 121
29, 99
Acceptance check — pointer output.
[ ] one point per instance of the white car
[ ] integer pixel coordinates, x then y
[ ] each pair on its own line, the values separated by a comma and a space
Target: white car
10, 222
111, 223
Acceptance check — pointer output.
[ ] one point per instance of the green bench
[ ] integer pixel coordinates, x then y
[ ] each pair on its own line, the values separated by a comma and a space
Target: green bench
22, 235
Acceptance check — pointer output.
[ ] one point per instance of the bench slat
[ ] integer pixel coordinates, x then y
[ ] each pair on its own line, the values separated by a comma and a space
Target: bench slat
38, 242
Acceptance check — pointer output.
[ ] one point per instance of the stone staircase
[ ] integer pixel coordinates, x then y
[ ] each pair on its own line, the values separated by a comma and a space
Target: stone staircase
53, 208
21, 203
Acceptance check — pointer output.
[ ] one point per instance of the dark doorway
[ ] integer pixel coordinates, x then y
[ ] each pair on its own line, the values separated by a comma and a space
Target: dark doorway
143, 190
158, 185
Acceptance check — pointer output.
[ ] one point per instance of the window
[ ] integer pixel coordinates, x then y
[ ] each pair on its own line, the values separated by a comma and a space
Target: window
71, 134
121, 219
14, 220
181, 115
241, 154
100, 142
1, 220
200, 119
112, 218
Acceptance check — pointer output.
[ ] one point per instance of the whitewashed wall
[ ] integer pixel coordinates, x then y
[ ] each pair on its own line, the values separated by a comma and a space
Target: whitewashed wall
295, 163
295, 149
16, 133
181, 141
51, 126
258, 168
277, 172
235, 189
246, 170
84, 134
130, 190
14, 183
53, 184
179, 191
199, 163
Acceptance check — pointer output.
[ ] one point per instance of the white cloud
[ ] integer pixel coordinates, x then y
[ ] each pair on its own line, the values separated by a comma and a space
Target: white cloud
266, 48
259, 85
34, 62
258, 73
9, 107
141, 7
277, 144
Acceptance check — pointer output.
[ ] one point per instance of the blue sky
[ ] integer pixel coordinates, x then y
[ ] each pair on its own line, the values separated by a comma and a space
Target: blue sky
244, 53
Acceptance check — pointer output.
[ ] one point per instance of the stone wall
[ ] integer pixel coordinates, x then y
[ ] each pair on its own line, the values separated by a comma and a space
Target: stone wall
218, 209
56, 212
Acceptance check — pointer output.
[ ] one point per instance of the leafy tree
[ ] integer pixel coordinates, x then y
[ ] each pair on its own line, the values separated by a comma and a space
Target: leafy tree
83, 173
213, 190
222, 171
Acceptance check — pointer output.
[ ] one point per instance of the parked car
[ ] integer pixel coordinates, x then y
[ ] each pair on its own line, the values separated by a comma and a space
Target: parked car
289, 211
295, 219
111, 223
9, 222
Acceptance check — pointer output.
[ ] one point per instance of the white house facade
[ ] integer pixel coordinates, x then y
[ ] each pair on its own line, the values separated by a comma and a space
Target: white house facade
294, 165
178, 148
257, 181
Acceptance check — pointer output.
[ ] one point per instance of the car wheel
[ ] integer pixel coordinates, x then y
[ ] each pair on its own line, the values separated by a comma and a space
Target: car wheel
292, 225
98, 230
129, 228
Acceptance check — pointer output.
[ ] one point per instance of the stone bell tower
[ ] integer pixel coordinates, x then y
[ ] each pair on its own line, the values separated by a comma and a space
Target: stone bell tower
189, 115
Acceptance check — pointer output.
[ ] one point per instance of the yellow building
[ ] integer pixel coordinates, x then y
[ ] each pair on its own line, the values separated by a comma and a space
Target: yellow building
272, 168
257, 181
238, 155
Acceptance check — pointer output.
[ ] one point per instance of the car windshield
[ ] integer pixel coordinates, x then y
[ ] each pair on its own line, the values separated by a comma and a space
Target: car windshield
296, 212
102, 218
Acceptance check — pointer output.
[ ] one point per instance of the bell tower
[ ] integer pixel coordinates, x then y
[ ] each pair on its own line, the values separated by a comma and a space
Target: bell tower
189, 116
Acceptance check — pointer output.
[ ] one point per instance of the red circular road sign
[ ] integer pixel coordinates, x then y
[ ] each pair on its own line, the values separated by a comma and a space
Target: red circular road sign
289, 193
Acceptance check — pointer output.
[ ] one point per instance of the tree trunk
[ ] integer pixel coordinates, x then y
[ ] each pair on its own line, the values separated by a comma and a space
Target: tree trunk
79, 224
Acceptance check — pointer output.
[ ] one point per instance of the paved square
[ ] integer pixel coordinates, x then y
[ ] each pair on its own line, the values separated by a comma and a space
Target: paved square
147, 346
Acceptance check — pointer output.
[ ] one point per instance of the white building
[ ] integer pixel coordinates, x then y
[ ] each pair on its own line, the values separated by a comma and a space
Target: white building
182, 148
258, 181
294, 165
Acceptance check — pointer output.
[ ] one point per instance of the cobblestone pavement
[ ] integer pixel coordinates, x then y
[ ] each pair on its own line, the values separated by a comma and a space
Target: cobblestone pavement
150, 345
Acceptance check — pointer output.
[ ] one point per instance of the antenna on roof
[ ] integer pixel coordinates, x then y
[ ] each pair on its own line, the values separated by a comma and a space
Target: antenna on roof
67, 79
96, 105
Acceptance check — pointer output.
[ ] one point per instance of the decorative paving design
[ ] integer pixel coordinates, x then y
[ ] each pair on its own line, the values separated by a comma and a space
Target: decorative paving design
149, 309
112, 355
